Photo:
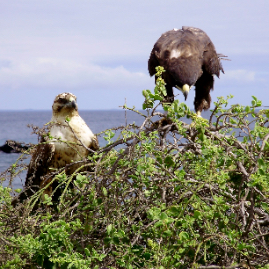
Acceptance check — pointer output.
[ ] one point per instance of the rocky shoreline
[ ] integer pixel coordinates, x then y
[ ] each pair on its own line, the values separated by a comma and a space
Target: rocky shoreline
12, 146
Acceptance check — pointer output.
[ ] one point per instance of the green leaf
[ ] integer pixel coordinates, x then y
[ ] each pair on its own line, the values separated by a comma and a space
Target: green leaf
121, 233
47, 200
104, 190
158, 97
183, 236
18, 190
177, 188
241, 246
197, 214
87, 252
258, 103
260, 162
167, 233
233, 121
147, 255
247, 109
163, 216
261, 172
109, 228
174, 211
107, 240
145, 93
116, 240
201, 136
168, 161
158, 224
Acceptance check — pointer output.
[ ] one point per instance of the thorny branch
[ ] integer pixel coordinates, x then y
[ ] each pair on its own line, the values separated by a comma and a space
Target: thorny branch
151, 171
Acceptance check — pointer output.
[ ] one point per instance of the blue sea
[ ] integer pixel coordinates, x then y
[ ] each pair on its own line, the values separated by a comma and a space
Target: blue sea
13, 126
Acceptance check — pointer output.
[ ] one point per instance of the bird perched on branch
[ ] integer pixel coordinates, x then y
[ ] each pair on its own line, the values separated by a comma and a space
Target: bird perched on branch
69, 141
190, 59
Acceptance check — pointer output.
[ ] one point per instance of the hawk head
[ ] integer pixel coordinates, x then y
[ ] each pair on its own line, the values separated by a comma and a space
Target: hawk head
65, 103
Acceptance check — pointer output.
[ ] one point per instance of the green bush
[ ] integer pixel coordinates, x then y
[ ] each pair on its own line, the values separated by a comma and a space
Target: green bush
165, 194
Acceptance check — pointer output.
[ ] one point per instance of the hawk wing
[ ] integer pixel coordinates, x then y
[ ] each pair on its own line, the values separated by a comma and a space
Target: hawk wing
40, 164
94, 144
161, 51
211, 60
38, 168
152, 63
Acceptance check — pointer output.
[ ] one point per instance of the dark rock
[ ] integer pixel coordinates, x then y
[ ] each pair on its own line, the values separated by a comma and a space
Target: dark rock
12, 146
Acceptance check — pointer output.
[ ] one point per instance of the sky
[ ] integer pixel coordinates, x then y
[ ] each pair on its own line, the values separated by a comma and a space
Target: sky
99, 49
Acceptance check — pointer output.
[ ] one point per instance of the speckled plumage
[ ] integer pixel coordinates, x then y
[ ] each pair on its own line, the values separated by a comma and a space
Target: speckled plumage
62, 147
71, 150
189, 57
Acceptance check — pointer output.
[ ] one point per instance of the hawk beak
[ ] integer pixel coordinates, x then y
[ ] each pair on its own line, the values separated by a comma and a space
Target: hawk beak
185, 90
72, 103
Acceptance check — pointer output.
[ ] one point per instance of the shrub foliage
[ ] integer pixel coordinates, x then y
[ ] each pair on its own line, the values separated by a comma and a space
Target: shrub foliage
165, 194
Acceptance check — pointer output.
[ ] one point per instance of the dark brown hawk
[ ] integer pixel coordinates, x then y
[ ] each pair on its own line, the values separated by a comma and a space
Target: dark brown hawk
190, 59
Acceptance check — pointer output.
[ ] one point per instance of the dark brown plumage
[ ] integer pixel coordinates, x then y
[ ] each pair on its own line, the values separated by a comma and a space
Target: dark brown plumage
190, 59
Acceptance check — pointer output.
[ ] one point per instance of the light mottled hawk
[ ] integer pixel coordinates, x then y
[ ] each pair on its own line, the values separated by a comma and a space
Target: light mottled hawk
190, 59
67, 143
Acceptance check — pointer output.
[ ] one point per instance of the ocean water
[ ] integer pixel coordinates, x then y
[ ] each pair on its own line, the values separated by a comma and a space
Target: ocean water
13, 126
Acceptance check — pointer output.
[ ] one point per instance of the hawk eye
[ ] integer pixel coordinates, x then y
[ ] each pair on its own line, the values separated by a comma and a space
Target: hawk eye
62, 100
